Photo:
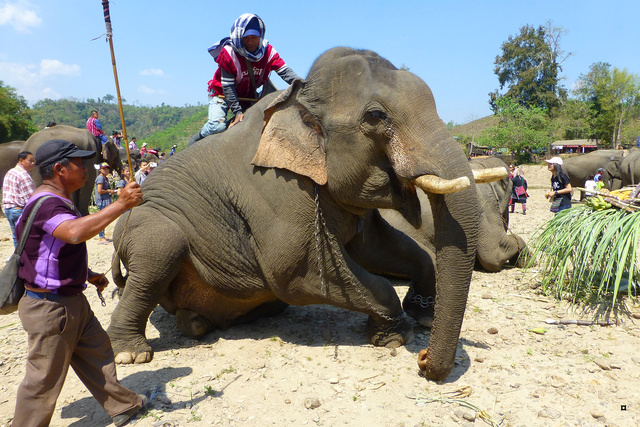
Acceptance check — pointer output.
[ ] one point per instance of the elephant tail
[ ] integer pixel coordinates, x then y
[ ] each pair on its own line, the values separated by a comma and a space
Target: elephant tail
116, 271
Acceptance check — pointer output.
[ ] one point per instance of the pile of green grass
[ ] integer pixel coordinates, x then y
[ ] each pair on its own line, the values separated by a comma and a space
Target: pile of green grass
588, 255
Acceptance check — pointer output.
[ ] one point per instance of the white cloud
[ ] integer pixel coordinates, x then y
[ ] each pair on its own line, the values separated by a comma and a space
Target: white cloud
152, 72
20, 15
34, 82
149, 91
52, 67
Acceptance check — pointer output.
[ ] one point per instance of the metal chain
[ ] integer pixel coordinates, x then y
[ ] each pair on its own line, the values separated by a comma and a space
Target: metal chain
422, 301
335, 251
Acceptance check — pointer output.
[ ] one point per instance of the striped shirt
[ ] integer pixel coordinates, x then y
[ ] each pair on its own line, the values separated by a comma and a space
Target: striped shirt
17, 187
94, 126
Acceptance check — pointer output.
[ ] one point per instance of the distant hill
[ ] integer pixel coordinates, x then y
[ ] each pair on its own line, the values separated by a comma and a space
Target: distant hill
474, 128
160, 126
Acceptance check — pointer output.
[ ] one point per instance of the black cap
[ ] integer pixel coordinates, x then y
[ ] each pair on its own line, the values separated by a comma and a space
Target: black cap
56, 150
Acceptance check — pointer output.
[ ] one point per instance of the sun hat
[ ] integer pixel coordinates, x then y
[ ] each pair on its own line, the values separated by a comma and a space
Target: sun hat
56, 150
555, 161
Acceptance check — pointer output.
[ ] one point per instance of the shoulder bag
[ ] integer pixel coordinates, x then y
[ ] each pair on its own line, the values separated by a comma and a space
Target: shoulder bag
11, 286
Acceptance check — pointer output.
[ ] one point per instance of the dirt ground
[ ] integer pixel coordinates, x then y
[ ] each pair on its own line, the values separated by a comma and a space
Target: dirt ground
313, 365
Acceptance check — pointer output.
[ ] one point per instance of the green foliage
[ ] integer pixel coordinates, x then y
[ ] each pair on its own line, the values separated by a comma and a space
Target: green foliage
573, 121
15, 116
587, 254
178, 134
141, 122
529, 68
613, 98
519, 129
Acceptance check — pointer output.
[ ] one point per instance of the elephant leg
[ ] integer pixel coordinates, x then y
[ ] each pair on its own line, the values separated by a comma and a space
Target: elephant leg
382, 249
155, 250
191, 324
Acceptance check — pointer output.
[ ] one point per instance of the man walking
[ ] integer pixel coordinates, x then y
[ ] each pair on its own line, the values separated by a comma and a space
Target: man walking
62, 329
17, 187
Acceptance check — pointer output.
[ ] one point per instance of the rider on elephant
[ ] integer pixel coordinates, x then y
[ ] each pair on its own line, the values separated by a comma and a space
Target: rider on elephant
234, 82
95, 127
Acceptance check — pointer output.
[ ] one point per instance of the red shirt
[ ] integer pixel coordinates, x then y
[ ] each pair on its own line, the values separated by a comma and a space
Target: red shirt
235, 64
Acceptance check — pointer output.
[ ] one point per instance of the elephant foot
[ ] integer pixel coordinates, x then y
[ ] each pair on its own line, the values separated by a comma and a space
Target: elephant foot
420, 308
141, 353
394, 335
191, 324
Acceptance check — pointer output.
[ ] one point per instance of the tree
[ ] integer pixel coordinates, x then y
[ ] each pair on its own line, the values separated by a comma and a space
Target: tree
15, 118
108, 98
613, 96
521, 130
573, 121
529, 67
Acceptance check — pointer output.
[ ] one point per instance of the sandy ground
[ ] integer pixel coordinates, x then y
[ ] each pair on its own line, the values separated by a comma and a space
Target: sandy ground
313, 365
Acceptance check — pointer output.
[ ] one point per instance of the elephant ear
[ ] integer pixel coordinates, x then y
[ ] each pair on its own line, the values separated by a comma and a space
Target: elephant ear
292, 138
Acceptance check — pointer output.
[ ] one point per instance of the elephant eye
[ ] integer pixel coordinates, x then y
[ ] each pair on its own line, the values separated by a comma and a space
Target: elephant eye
380, 115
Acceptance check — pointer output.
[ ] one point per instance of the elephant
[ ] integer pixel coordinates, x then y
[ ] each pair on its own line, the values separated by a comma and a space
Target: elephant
85, 141
8, 159
264, 215
136, 157
630, 168
578, 168
495, 245
9, 156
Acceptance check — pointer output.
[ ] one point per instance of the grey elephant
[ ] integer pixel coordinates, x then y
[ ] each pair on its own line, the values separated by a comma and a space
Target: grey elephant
264, 214
8, 159
9, 156
496, 245
578, 168
85, 141
630, 168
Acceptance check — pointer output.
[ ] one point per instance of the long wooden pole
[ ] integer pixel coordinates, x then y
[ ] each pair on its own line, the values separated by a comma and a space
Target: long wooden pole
107, 22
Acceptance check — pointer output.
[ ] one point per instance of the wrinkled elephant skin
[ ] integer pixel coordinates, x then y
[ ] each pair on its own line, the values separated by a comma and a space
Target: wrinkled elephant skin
496, 244
266, 213
578, 168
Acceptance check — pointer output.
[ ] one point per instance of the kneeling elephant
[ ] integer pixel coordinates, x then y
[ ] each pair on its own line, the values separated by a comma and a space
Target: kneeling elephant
264, 214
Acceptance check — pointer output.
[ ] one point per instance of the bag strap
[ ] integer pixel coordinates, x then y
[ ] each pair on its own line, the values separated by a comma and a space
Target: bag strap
32, 217
251, 77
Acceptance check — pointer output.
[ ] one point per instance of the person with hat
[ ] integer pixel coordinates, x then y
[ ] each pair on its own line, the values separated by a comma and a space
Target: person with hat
17, 187
62, 330
103, 195
143, 149
245, 60
173, 150
560, 194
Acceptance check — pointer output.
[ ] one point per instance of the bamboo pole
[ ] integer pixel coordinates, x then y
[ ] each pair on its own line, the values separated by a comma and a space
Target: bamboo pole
107, 22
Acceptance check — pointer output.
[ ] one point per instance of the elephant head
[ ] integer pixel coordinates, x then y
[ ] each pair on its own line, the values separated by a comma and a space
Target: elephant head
369, 133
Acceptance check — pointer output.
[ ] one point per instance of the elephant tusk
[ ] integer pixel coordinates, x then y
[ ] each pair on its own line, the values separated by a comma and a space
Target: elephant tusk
489, 175
434, 184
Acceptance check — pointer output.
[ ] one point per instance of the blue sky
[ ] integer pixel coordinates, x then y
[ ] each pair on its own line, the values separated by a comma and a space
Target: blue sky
46, 47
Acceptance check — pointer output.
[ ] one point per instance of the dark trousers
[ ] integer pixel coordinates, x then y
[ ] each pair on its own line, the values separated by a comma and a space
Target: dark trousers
63, 332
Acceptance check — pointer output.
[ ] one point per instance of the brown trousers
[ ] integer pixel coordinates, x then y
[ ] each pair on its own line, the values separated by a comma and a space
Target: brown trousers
64, 332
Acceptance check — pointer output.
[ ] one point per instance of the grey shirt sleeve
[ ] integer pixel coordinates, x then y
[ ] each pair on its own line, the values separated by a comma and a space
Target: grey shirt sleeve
287, 74
230, 94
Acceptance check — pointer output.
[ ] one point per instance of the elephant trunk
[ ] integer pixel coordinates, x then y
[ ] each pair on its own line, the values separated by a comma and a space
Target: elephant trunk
456, 221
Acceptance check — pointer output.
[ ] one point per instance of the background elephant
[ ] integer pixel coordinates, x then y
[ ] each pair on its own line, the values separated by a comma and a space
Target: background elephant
496, 245
85, 141
266, 213
630, 168
578, 168
8, 159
